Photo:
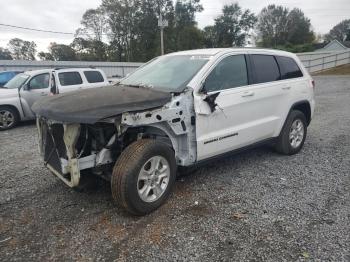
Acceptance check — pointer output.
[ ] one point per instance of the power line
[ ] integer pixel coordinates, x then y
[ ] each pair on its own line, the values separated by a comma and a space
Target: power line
37, 30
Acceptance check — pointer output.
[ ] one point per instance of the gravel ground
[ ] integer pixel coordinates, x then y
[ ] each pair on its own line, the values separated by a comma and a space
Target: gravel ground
256, 206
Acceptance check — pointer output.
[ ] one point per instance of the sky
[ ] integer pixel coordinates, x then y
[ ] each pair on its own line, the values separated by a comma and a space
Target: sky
65, 16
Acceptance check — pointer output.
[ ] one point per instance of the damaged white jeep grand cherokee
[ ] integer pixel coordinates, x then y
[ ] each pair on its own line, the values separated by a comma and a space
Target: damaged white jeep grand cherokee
178, 110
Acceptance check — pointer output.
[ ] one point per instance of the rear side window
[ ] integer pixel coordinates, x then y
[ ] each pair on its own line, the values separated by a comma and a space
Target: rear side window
289, 68
266, 68
93, 76
70, 78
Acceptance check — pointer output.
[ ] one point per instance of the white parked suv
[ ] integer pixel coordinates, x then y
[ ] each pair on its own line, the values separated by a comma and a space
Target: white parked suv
19, 94
177, 111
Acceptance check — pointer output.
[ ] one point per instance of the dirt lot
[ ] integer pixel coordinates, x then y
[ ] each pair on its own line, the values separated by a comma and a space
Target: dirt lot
256, 206
339, 70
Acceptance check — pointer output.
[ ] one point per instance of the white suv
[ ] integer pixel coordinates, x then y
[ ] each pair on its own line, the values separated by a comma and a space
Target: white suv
20, 93
176, 111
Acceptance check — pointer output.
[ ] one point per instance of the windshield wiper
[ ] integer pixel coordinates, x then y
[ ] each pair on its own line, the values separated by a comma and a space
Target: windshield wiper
140, 85
136, 86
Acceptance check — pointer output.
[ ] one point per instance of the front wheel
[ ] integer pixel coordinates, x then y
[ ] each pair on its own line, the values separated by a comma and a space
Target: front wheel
143, 176
293, 134
8, 118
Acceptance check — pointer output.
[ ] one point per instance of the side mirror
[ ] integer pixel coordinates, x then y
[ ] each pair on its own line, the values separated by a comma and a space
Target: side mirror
26, 87
203, 89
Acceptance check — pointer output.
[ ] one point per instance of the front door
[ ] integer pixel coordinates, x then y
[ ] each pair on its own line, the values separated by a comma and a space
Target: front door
37, 88
245, 111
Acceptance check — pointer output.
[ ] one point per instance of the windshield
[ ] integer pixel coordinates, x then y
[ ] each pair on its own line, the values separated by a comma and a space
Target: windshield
17, 81
167, 73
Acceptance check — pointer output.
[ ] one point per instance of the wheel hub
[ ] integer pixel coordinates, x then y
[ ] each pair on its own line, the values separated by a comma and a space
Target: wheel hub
6, 119
153, 179
296, 134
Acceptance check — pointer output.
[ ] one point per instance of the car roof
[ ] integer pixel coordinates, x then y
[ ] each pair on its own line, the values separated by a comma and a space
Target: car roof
68, 69
216, 51
36, 72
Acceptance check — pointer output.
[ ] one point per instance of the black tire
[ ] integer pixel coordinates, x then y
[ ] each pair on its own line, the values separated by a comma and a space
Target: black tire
284, 145
13, 113
125, 183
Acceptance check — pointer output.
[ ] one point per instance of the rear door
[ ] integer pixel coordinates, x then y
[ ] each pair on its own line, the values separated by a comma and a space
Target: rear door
297, 85
273, 93
68, 81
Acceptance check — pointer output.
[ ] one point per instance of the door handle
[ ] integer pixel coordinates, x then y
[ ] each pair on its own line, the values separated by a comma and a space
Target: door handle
43, 93
286, 87
248, 93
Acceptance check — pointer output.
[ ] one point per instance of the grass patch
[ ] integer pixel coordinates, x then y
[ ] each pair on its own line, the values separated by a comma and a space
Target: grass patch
339, 70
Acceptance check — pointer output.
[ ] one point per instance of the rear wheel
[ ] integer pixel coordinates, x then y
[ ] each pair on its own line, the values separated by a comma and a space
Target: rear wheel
292, 137
8, 118
143, 176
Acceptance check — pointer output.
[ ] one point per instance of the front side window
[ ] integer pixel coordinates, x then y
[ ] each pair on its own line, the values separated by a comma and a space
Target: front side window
93, 76
266, 69
231, 72
39, 82
70, 78
289, 68
167, 73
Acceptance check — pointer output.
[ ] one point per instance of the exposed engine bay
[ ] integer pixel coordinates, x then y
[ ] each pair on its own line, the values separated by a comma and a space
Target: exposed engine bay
70, 149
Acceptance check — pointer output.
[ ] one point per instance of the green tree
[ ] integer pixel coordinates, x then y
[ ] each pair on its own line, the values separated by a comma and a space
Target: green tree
185, 25
122, 24
21, 49
185, 12
278, 26
299, 28
89, 50
272, 26
45, 56
233, 26
341, 31
145, 45
5, 54
61, 52
210, 37
94, 25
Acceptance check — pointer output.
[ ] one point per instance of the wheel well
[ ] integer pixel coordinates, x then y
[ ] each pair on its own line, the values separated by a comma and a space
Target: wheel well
305, 108
132, 134
14, 108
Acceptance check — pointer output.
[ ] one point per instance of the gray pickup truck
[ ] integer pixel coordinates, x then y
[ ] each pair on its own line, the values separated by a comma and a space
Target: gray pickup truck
20, 93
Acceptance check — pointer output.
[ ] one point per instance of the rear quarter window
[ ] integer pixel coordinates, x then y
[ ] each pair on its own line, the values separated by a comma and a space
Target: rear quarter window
93, 76
289, 68
266, 68
70, 78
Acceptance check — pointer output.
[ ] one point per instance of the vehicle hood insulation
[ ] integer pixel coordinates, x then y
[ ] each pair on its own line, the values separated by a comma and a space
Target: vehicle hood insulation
89, 106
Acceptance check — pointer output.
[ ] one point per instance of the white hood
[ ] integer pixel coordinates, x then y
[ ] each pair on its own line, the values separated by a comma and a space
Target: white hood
8, 93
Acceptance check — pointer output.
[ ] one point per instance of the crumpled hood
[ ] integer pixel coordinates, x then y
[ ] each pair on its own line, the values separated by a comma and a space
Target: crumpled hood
88, 106
8, 93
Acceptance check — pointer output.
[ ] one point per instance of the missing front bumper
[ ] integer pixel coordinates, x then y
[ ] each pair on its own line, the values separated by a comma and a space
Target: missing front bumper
58, 147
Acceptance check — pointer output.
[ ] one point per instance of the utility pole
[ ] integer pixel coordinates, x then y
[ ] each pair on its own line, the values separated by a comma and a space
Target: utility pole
162, 24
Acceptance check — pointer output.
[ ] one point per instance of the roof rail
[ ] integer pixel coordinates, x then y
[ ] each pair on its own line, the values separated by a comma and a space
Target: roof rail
79, 67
